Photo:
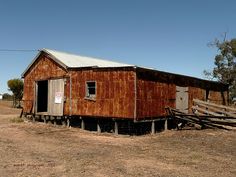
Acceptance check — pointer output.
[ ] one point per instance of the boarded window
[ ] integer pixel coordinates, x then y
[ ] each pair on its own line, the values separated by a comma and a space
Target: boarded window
90, 89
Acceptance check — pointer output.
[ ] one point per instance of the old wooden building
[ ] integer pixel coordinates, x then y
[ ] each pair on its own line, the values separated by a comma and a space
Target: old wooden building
58, 84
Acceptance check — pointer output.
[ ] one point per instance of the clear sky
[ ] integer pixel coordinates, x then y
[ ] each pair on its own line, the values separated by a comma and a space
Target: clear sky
169, 35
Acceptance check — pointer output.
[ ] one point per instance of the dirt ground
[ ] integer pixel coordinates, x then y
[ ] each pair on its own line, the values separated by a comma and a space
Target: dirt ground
36, 149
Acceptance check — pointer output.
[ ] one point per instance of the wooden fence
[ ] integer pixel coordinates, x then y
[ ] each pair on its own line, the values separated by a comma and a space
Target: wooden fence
205, 115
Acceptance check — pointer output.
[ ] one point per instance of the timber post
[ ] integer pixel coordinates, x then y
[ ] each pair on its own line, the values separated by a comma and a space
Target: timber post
40, 117
55, 121
33, 118
82, 124
98, 127
166, 123
116, 128
63, 122
68, 122
153, 127
50, 120
44, 119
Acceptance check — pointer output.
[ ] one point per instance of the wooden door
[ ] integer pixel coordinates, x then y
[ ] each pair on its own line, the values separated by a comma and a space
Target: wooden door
56, 97
182, 98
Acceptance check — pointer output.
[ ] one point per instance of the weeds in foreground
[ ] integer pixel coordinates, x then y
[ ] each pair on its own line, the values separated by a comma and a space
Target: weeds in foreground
16, 120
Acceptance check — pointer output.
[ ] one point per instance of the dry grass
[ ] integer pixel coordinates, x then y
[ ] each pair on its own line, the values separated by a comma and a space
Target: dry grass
17, 120
6, 108
35, 149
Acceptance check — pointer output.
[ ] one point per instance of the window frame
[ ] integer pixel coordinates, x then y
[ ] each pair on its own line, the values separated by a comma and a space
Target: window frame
87, 94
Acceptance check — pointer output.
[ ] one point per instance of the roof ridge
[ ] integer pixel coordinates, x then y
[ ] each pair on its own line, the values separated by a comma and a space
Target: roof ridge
88, 57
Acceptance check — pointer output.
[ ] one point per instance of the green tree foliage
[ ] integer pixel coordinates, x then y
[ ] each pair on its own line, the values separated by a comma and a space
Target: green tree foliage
16, 86
7, 96
225, 64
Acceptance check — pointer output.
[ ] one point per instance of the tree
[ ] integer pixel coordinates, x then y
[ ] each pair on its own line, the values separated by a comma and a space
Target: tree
7, 96
16, 86
225, 64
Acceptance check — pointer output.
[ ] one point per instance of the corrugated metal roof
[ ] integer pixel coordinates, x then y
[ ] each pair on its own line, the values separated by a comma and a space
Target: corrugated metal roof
77, 61
67, 60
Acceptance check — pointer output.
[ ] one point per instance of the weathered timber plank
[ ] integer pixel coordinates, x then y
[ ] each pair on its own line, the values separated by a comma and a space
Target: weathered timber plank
218, 110
215, 105
205, 111
223, 122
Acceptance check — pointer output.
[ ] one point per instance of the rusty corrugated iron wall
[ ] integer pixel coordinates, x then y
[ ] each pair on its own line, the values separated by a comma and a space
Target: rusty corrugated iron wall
157, 90
117, 89
153, 97
44, 68
114, 97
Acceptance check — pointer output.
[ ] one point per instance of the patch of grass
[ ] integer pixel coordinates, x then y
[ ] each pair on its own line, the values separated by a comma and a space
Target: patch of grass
196, 156
16, 120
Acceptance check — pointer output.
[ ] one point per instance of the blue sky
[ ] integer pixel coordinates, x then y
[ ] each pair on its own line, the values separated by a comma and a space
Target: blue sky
169, 35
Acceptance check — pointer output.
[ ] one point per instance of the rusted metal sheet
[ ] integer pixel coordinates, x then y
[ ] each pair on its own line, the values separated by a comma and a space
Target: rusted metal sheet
218, 97
120, 92
114, 97
43, 69
157, 90
153, 97
214, 96
196, 93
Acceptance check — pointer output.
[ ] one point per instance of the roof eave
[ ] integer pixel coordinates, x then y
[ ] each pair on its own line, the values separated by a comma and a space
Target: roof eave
181, 75
37, 56
32, 62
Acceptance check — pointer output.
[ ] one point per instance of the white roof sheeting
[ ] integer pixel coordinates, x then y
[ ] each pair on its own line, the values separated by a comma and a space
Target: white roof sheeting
76, 61
67, 60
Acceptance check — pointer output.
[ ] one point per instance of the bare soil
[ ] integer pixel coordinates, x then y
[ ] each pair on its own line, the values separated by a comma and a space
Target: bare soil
36, 149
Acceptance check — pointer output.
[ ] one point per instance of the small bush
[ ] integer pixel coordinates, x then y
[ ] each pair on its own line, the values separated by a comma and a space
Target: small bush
17, 120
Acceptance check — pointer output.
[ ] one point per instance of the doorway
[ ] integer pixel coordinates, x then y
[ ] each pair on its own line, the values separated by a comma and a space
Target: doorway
42, 96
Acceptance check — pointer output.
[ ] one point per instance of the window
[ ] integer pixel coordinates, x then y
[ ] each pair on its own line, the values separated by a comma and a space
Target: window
90, 89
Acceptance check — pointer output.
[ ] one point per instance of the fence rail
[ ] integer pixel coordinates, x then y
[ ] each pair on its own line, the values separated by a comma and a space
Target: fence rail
205, 114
